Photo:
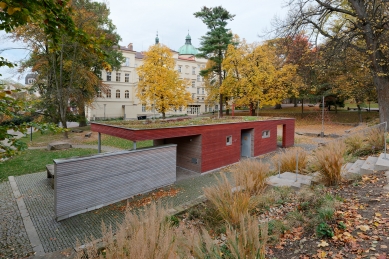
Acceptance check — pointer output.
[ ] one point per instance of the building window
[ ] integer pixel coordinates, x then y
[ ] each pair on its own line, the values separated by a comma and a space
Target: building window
99, 94
126, 94
202, 90
206, 108
108, 93
31, 81
266, 134
193, 71
117, 77
127, 63
117, 93
180, 109
198, 78
229, 140
193, 96
108, 76
216, 107
193, 83
126, 78
143, 107
180, 69
198, 90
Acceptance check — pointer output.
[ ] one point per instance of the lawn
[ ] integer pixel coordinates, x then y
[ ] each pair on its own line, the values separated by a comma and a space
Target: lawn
32, 161
107, 140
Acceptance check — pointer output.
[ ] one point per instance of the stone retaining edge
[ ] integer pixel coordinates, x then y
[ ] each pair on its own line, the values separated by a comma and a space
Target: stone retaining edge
28, 225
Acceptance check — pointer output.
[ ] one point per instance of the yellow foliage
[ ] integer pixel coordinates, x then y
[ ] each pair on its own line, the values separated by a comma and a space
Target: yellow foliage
253, 75
3, 5
159, 82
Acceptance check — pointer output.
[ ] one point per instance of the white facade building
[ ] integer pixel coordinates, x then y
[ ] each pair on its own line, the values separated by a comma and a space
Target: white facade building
120, 100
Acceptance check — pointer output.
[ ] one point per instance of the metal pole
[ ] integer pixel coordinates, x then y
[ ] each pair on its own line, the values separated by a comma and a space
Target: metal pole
31, 134
134, 145
322, 119
99, 142
297, 164
279, 169
104, 110
385, 136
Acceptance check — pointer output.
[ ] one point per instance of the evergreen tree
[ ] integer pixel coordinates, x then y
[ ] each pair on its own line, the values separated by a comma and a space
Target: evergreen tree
215, 42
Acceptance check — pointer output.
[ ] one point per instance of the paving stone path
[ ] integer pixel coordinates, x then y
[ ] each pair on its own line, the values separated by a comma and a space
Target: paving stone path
14, 242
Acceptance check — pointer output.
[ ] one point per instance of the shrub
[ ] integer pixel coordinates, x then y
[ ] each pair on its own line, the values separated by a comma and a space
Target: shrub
329, 161
287, 160
230, 205
250, 175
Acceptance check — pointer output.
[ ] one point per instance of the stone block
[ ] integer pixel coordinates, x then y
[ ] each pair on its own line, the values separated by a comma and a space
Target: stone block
58, 145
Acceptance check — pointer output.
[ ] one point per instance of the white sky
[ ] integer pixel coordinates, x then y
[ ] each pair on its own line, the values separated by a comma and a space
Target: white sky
138, 21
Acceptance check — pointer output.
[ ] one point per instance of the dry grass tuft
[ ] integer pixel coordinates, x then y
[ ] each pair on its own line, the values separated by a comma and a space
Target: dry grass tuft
230, 205
145, 235
250, 175
248, 240
375, 139
329, 161
287, 160
354, 143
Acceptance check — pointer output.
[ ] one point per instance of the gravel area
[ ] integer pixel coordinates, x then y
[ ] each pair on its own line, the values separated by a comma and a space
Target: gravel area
14, 242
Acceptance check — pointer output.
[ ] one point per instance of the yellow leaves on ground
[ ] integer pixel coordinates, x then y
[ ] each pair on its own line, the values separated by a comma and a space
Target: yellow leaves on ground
364, 228
322, 244
159, 83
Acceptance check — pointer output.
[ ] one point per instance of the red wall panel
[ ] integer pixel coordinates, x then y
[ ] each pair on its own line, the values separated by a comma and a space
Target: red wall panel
215, 152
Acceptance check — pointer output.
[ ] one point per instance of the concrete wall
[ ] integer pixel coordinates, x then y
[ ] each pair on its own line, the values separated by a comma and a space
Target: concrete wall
88, 183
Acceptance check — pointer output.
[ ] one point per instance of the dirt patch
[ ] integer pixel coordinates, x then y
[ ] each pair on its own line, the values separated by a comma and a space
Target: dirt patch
362, 233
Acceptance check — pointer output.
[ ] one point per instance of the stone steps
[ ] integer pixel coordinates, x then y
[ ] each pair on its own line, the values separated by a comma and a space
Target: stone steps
349, 170
289, 179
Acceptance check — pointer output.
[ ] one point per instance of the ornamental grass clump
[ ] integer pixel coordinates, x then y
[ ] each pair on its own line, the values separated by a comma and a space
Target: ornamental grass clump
230, 204
354, 143
148, 234
250, 175
375, 139
329, 161
287, 160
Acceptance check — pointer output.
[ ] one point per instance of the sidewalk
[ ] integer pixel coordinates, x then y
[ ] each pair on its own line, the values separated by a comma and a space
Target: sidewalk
56, 236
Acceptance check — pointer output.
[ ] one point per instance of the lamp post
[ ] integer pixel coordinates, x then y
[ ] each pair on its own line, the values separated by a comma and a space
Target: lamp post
104, 109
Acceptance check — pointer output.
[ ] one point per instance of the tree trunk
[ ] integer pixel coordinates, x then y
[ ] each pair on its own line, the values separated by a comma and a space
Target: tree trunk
227, 111
295, 102
278, 106
81, 115
302, 106
251, 109
163, 115
382, 86
359, 113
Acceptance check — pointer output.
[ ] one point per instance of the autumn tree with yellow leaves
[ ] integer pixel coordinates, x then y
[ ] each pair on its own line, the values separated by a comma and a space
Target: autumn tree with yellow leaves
159, 83
256, 76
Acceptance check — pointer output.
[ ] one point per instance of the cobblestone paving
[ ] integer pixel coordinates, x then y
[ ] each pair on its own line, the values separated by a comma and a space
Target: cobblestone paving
39, 199
14, 242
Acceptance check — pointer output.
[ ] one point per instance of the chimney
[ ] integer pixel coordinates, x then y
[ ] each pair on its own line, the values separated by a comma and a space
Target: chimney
130, 46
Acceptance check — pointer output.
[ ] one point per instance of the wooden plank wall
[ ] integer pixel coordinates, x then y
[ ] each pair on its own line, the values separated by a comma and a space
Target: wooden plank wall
88, 183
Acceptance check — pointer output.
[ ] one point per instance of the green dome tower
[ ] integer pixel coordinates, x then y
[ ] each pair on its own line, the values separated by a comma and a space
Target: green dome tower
188, 48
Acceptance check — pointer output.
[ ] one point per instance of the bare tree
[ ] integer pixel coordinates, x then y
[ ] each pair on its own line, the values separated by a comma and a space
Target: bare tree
357, 24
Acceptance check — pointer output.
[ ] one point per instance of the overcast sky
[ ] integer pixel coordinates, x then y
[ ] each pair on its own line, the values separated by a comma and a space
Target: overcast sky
137, 22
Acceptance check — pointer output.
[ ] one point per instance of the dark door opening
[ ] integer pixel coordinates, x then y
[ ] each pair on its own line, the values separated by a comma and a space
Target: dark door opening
247, 140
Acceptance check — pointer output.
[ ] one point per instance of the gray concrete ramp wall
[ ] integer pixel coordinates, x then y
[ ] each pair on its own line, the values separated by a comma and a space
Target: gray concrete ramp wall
88, 183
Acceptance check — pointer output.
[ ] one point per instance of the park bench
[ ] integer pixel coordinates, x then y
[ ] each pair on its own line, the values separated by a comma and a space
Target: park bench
50, 174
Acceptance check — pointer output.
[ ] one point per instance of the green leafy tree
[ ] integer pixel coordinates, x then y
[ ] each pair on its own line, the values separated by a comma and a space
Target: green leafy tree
214, 44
